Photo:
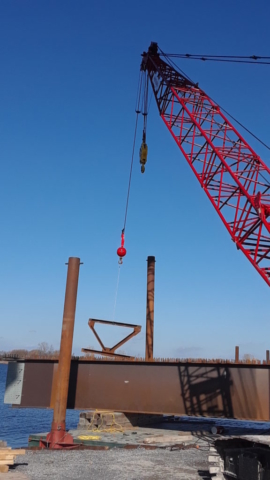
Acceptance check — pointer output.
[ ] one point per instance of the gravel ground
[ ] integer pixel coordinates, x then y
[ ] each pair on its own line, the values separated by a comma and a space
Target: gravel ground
112, 464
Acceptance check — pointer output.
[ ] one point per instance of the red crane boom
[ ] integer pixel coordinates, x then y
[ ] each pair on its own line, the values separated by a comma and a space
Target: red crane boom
233, 176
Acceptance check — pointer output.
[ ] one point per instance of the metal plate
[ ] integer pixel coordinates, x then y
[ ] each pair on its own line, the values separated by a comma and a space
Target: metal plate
37, 384
14, 383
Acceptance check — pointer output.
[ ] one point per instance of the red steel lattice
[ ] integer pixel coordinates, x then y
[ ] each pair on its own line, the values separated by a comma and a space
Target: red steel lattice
233, 176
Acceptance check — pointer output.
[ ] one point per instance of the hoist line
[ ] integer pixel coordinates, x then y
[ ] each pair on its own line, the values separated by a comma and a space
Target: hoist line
131, 168
116, 293
145, 107
139, 89
137, 110
125, 221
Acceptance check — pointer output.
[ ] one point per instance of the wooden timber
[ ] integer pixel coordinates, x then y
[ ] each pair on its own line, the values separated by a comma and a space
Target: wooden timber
8, 456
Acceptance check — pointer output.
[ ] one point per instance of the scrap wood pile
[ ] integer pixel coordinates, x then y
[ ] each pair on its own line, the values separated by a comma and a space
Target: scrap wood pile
7, 456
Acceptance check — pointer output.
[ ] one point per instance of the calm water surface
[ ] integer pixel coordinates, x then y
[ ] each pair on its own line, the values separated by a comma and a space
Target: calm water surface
17, 424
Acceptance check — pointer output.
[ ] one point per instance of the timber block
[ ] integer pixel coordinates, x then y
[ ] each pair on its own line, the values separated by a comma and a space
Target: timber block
4, 468
99, 418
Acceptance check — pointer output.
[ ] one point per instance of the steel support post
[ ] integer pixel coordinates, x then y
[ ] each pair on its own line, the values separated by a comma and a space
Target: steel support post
267, 357
237, 354
149, 350
58, 437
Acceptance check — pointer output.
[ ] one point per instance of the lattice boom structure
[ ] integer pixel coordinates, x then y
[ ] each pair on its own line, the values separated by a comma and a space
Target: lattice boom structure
233, 176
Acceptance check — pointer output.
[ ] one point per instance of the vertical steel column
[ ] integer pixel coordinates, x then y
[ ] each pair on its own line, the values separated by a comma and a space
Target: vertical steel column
58, 433
267, 357
149, 348
236, 354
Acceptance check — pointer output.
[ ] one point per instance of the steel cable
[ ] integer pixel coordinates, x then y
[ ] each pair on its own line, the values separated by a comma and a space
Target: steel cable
137, 110
167, 56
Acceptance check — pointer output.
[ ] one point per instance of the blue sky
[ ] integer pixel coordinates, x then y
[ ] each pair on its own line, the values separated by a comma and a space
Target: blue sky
68, 81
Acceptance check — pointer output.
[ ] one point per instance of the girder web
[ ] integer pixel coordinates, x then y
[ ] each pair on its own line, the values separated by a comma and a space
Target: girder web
206, 391
233, 176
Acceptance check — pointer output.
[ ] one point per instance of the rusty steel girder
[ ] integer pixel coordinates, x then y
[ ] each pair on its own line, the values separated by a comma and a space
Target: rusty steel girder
211, 390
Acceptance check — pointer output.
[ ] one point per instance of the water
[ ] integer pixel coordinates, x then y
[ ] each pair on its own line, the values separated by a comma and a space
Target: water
16, 424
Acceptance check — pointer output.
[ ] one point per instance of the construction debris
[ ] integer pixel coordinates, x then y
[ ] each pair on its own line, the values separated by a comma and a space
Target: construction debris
168, 439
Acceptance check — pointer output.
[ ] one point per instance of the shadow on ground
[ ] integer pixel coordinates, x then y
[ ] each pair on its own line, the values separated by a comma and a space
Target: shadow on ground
17, 464
204, 474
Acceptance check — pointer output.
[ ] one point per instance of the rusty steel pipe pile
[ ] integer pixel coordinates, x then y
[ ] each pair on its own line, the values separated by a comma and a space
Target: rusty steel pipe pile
149, 348
236, 354
58, 433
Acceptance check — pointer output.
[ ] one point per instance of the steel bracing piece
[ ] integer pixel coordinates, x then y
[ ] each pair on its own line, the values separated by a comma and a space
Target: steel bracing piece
110, 352
233, 176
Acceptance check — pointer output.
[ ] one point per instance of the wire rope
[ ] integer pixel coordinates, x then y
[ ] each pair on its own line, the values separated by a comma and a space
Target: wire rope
116, 292
137, 110
131, 169
252, 59
174, 65
245, 128
222, 108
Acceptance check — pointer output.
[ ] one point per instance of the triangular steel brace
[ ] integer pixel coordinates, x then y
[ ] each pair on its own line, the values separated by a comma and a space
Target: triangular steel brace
106, 351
